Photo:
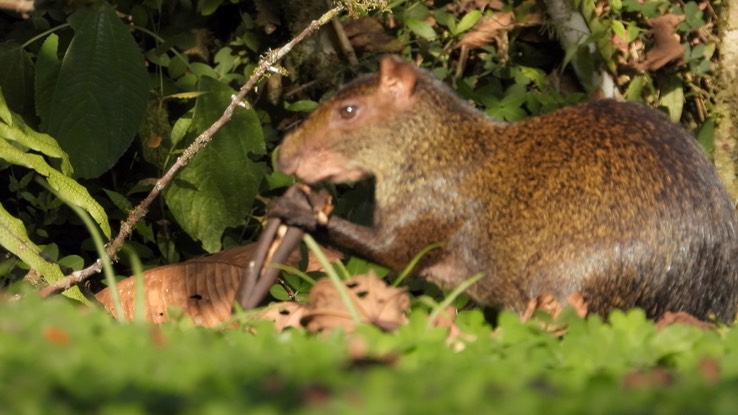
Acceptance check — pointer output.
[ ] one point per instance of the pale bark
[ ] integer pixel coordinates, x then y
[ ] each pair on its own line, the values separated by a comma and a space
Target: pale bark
727, 100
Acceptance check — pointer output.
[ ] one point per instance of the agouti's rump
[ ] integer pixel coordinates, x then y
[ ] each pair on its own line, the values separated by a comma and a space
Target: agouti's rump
609, 200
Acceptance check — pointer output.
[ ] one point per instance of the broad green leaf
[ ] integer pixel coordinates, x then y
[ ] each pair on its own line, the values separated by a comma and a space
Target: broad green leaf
672, 98
635, 88
16, 77
421, 29
468, 21
179, 130
47, 71
216, 189
43, 143
445, 19
100, 96
208, 7
67, 187
5, 111
706, 135
14, 238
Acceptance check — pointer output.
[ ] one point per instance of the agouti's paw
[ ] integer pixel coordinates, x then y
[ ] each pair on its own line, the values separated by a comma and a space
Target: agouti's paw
301, 207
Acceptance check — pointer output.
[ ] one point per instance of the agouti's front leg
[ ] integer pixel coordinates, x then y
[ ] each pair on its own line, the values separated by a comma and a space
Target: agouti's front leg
307, 210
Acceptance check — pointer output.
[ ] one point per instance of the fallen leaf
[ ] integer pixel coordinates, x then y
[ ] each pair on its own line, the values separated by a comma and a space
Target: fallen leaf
369, 34
710, 370
489, 29
204, 287
551, 306
682, 317
57, 336
456, 338
284, 314
666, 43
375, 301
657, 376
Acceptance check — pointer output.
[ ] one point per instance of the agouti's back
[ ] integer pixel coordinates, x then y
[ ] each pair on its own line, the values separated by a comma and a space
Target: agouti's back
606, 199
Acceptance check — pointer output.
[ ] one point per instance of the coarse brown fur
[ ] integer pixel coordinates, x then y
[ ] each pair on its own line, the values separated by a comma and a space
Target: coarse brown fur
607, 199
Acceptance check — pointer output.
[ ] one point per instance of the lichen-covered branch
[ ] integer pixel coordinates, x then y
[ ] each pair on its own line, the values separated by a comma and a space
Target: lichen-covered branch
127, 226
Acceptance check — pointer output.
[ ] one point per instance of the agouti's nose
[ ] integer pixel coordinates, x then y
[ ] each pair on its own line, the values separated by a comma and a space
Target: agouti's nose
286, 164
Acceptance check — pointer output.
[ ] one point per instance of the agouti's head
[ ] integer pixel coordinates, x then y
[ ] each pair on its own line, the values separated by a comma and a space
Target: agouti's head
345, 135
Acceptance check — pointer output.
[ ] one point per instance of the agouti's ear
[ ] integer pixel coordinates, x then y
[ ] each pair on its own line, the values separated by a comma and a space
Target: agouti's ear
397, 77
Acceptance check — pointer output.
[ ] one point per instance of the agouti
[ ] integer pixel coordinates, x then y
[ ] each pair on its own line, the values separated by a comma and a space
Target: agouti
605, 199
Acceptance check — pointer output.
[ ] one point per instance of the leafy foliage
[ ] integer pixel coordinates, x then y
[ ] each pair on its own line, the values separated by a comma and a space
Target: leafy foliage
124, 96
92, 364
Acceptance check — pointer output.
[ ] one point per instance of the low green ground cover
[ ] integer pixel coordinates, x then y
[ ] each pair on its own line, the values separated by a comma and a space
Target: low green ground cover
56, 358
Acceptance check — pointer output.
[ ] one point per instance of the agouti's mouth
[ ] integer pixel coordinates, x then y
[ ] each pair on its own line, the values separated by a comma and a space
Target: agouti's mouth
317, 166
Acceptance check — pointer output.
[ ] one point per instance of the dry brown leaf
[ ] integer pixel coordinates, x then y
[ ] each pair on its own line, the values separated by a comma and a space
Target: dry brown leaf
650, 378
550, 305
376, 302
284, 314
203, 287
666, 43
682, 317
369, 34
489, 29
455, 338
710, 370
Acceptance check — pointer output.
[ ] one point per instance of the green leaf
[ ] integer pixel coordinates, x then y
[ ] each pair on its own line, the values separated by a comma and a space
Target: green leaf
706, 135
67, 187
618, 28
16, 77
673, 98
301, 106
635, 88
118, 200
468, 21
14, 238
218, 186
421, 28
4, 110
208, 7
47, 71
100, 96
43, 143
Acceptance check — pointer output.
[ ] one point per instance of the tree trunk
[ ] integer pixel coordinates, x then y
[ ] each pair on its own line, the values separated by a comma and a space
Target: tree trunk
726, 134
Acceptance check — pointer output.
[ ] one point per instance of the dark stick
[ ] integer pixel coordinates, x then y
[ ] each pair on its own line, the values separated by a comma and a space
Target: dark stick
248, 282
269, 275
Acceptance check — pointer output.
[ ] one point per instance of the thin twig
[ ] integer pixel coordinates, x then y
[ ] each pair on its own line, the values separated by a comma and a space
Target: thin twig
127, 226
344, 41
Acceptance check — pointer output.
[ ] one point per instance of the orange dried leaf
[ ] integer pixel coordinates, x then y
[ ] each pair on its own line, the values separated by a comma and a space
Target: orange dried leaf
488, 29
284, 314
682, 318
57, 336
203, 287
376, 302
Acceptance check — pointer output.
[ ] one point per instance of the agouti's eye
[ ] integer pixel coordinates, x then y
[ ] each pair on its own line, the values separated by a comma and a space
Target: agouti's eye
348, 111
